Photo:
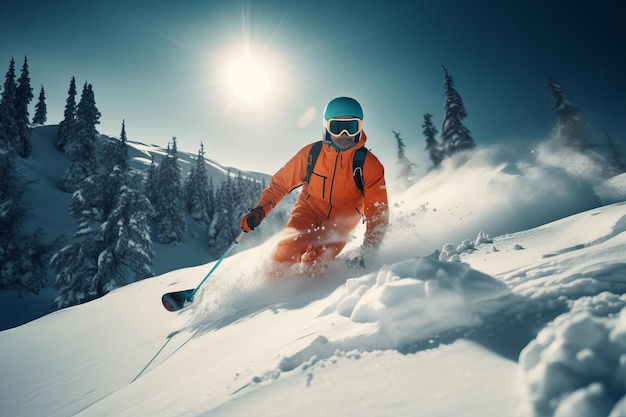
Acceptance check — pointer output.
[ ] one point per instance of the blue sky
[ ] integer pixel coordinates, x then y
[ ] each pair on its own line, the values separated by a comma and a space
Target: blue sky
162, 66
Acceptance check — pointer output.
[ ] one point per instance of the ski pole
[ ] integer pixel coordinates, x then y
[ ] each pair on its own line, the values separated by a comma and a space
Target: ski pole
219, 261
174, 301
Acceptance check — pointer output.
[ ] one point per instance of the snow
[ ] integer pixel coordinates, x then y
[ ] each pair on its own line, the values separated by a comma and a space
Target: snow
499, 291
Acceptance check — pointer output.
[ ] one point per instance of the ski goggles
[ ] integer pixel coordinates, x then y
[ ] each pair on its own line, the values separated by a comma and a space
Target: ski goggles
350, 127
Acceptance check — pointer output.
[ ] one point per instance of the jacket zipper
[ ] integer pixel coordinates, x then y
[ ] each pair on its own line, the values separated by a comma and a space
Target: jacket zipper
332, 185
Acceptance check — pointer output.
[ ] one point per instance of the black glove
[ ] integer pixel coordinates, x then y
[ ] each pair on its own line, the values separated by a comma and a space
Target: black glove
252, 219
360, 261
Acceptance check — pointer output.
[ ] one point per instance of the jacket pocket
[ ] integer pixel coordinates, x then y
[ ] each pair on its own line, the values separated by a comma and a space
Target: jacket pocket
317, 185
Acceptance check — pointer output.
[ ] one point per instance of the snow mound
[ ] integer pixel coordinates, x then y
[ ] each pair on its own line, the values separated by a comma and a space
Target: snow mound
400, 305
414, 300
576, 367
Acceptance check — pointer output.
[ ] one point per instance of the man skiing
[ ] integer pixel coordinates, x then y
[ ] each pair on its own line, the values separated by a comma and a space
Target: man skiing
331, 202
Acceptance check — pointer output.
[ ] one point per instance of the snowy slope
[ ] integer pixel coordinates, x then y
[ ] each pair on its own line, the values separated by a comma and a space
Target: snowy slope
447, 321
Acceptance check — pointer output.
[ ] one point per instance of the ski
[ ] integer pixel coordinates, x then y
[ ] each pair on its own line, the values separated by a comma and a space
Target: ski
177, 300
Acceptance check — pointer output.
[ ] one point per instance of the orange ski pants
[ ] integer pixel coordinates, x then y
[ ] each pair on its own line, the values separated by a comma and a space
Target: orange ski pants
311, 242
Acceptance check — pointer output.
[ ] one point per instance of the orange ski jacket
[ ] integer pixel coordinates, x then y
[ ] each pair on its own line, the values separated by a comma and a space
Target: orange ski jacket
332, 193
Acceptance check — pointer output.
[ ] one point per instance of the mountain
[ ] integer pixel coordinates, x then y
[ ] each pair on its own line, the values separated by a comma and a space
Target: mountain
499, 290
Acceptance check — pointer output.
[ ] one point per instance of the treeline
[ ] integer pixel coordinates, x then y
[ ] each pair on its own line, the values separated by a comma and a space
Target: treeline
570, 132
23, 257
119, 211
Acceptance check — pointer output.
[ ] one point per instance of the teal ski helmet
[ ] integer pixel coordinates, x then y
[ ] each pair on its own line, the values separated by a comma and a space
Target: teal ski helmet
343, 106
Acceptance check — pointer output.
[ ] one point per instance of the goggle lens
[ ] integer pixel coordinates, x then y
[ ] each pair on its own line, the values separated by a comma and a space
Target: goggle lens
351, 127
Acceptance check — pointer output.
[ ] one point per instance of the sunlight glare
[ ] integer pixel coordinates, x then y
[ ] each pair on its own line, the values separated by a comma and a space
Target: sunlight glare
248, 78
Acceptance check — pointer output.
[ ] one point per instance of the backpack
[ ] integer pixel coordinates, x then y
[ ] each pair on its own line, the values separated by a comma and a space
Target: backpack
357, 164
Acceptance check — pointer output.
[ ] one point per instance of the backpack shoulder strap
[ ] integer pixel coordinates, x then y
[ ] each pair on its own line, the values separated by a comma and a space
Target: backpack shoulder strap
357, 168
314, 152
357, 164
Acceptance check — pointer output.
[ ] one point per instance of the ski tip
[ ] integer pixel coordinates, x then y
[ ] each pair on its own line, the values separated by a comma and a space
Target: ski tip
177, 300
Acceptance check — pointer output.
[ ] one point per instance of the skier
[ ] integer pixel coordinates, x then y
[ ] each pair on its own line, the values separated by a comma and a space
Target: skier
330, 203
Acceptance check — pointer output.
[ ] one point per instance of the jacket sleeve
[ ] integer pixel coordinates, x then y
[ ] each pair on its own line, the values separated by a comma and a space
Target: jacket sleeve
284, 180
376, 205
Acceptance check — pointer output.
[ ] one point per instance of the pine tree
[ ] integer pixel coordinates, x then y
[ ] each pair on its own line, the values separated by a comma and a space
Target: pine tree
454, 136
150, 187
9, 128
113, 236
129, 226
76, 265
406, 166
115, 153
211, 202
87, 117
197, 189
81, 145
169, 207
113, 161
570, 129
222, 233
23, 97
241, 189
68, 125
432, 146
231, 201
41, 110
23, 257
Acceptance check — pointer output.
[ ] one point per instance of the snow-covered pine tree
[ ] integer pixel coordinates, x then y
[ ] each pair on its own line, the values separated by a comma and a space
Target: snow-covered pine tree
115, 153
570, 129
232, 200
129, 225
23, 257
113, 160
169, 204
150, 187
126, 231
23, 97
455, 137
406, 167
76, 264
67, 126
81, 145
41, 110
432, 146
113, 236
246, 192
211, 202
197, 190
87, 117
241, 192
9, 130
221, 231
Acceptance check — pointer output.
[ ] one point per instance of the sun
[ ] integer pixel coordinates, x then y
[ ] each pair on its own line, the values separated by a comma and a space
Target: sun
248, 78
